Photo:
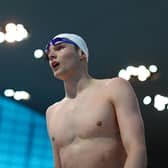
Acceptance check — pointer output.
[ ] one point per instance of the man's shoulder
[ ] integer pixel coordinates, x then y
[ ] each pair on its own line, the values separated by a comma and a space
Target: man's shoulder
116, 82
121, 82
52, 107
119, 88
117, 85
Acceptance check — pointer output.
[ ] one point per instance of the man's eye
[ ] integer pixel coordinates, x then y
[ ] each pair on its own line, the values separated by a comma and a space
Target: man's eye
59, 47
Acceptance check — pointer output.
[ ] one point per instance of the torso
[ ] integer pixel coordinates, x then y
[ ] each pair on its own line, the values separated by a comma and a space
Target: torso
85, 130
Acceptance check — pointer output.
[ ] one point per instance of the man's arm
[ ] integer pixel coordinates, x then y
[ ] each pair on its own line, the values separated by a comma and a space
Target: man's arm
55, 150
57, 163
130, 123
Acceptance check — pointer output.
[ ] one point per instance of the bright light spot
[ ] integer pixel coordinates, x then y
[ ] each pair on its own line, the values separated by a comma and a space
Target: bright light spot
143, 73
25, 95
9, 92
2, 37
147, 100
19, 36
23, 32
160, 102
19, 95
10, 27
10, 37
132, 70
124, 74
20, 26
142, 78
160, 107
38, 53
153, 68
15, 32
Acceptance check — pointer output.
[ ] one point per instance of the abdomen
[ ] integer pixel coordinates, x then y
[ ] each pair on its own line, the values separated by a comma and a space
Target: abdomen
93, 153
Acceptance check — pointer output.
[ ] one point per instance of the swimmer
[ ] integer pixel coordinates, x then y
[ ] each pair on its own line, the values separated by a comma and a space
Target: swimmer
98, 123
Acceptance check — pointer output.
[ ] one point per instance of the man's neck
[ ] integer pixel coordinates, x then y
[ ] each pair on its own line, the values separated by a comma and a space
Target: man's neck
76, 85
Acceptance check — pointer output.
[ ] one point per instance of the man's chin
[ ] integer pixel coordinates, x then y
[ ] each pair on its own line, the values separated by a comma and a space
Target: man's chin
58, 75
61, 75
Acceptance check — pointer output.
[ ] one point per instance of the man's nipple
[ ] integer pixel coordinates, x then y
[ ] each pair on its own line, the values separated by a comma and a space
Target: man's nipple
99, 123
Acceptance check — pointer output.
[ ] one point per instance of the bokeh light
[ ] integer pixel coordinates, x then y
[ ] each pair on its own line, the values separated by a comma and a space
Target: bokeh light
14, 33
17, 95
2, 37
38, 53
147, 100
9, 92
153, 68
140, 72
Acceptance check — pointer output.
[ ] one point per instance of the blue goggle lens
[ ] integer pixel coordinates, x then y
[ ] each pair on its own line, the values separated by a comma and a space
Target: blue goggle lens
57, 41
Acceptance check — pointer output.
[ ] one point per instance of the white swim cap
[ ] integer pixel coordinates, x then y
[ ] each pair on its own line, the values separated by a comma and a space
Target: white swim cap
79, 41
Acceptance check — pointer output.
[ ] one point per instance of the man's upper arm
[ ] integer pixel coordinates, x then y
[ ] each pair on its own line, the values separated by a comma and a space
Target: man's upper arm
128, 114
53, 144
48, 115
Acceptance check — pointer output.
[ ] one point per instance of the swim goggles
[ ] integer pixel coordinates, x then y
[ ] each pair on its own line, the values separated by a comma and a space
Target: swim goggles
56, 41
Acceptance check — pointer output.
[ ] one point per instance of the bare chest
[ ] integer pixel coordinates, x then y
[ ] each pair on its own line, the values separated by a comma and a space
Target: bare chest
87, 117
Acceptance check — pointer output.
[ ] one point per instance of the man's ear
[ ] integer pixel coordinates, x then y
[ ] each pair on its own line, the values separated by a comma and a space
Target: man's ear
82, 55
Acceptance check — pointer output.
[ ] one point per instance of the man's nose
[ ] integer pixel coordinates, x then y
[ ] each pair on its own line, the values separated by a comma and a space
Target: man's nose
52, 55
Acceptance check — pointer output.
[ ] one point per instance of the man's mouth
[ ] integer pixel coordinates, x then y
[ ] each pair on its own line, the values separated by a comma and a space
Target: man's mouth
55, 64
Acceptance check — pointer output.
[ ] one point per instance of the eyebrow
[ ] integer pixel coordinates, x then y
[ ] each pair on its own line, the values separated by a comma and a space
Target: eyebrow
60, 44
57, 45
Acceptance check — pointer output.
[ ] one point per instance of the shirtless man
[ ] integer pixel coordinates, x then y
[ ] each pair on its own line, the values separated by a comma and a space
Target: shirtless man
98, 123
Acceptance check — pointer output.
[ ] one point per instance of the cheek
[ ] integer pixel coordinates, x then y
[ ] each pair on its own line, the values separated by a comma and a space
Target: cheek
68, 57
